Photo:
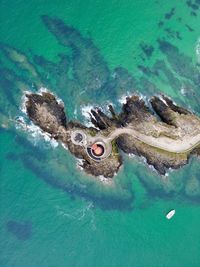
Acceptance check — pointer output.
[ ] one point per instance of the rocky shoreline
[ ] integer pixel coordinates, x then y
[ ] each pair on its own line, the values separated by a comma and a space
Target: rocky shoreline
163, 119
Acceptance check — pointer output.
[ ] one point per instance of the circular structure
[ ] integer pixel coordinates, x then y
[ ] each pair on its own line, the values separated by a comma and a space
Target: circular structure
97, 151
78, 137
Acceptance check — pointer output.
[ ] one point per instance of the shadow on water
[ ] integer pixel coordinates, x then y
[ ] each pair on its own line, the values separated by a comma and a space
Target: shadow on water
183, 184
80, 76
21, 230
57, 170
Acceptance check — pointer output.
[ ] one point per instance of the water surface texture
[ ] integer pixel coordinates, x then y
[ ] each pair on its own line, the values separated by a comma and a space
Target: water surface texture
92, 53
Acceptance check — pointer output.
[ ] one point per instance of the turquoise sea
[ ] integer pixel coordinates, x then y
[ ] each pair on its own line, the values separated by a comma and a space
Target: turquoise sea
88, 53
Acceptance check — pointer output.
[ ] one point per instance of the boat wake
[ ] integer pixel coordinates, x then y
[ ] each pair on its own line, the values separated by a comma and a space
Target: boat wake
84, 213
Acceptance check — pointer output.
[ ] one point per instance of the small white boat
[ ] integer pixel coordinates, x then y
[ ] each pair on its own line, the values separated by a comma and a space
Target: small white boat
170, 214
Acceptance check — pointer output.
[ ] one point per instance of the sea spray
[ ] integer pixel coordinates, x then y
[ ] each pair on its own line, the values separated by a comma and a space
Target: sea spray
86, 113
197, 50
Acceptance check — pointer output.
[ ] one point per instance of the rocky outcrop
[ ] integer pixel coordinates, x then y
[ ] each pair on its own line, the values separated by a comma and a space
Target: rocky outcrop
47, 113
176, 122
161, 160
176, 125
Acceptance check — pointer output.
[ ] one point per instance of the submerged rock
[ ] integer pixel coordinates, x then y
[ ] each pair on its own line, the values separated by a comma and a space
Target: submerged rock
89, 68
22, 231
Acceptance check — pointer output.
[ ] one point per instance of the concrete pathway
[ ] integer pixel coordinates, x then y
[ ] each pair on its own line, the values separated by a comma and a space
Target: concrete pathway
186, 144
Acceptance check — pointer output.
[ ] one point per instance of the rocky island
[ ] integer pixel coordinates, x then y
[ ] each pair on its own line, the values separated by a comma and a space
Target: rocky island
162, 132
80, 75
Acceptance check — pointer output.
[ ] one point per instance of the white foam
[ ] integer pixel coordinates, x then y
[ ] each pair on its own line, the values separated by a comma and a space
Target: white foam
114, 75
173, 102
104, 180
77, 214
170, 170
183, 90
109, 103
45, 90
5, 126
143, 97
197, 50
85, 110
164, 101
122, 99
24, 100
20, 123
35, 132
131, 155
79, 164
64, 146
75, 113
151, 167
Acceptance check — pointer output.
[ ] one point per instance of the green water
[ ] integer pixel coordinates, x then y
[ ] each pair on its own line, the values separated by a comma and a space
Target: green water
71, 219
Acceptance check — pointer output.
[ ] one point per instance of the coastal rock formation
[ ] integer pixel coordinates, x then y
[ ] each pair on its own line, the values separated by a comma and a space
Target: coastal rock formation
79, 75
165, 140
47, 113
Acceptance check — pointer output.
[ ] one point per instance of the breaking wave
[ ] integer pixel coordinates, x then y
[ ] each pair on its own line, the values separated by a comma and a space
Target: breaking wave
197, 50
23, 123
85, 111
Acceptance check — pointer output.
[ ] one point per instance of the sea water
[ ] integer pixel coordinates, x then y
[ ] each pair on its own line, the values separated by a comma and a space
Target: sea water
51, 213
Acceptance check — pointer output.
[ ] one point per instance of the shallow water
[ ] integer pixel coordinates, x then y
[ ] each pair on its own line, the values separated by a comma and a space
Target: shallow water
52, 214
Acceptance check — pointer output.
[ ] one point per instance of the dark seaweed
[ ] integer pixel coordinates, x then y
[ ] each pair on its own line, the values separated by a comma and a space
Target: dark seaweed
170, 14
22, 230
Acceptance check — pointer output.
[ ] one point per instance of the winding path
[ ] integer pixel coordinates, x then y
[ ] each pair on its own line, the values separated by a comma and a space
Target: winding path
186, 144
183, 145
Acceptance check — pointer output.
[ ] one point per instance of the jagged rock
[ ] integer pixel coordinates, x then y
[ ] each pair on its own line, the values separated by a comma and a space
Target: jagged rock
134, 130
45, 111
